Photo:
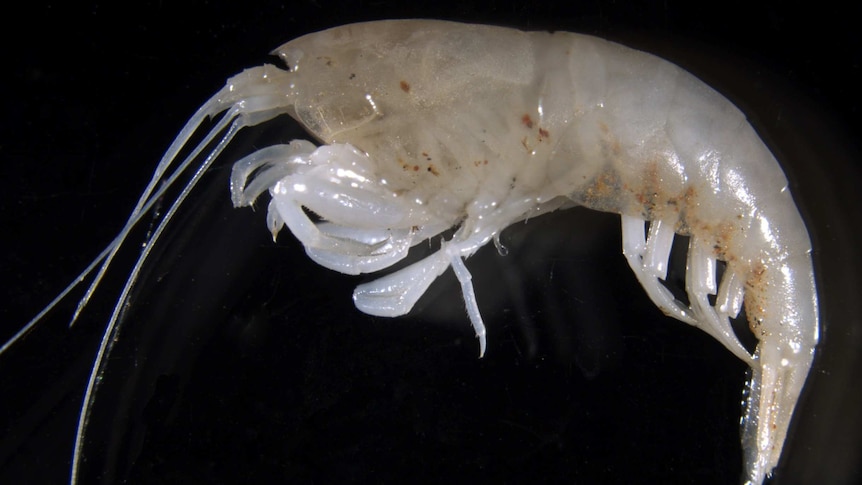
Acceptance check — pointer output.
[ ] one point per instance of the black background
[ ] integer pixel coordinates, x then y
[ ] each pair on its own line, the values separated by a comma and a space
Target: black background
242, 362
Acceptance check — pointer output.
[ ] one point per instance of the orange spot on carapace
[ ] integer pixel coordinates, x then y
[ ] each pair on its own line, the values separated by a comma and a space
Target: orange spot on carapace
405, 86
527, 121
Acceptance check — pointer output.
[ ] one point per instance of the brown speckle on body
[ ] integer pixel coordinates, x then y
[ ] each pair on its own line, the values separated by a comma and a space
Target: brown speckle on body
755, 304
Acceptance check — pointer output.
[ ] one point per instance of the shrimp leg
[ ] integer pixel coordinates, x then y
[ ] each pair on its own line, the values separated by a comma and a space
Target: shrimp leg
649, 257
397, 293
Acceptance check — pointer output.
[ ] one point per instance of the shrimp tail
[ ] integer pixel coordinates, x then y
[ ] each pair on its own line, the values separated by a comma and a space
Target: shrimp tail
772, 393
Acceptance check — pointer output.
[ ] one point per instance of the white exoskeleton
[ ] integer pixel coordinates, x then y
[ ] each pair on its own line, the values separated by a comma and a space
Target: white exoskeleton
426, 126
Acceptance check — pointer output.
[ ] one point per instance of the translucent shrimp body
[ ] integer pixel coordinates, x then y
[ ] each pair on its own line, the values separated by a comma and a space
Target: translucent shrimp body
428, 126
432, 125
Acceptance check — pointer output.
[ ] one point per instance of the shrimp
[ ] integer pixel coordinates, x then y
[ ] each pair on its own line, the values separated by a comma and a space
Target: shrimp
429, 126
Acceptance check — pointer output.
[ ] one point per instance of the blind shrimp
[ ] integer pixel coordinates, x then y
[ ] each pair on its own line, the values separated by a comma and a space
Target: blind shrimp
428, 126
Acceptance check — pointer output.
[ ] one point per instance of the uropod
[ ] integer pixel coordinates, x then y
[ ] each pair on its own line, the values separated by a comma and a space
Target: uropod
427, 126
